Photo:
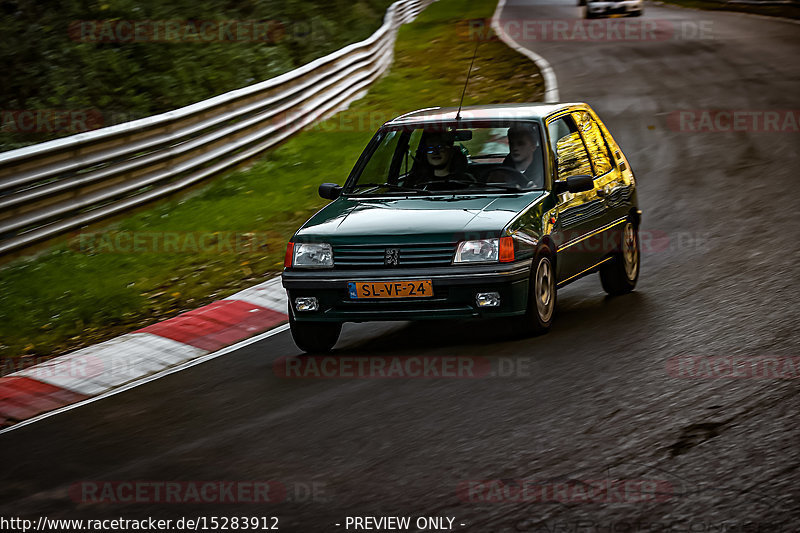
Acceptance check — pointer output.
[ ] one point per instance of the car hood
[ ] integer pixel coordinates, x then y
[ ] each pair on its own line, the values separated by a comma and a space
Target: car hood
419, 218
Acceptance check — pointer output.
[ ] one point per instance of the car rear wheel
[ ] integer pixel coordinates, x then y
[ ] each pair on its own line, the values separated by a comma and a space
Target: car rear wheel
619, 276
314, 337
541, 295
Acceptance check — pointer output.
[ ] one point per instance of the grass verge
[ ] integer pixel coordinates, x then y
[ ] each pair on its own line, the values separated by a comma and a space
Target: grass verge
94, 287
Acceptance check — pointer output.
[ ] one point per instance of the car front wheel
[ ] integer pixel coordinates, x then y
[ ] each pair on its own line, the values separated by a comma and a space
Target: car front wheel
619, 276
314, 337
541, 296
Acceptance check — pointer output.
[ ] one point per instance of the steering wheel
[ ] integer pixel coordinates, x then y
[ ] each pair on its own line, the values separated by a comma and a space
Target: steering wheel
466, 181
508, 176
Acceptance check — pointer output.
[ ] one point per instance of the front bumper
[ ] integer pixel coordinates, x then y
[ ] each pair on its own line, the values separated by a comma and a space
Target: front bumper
454, 290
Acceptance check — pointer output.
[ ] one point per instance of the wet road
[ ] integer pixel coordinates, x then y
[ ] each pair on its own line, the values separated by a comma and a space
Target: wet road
592, 400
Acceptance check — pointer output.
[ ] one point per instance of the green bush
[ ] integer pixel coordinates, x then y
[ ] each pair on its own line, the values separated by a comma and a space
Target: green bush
48, 67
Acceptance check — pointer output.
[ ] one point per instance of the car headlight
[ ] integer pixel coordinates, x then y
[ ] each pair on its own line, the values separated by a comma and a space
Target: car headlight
312, 255
485, 251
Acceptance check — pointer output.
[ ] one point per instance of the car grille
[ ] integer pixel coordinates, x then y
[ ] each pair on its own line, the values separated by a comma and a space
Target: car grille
408, 255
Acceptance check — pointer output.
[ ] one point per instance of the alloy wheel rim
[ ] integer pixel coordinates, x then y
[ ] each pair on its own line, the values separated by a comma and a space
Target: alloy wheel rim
543, 290
630, 252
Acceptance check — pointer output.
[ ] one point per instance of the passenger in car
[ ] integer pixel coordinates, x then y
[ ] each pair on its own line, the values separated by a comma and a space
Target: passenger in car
525, 153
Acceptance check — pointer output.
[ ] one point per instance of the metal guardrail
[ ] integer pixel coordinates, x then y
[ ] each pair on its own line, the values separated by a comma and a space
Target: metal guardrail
57, 186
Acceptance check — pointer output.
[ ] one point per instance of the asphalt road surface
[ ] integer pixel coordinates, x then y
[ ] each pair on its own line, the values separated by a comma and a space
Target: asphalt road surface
593, 400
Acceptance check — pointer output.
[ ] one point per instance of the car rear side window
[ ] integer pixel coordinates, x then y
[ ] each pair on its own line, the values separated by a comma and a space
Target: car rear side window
567, 145
598, 150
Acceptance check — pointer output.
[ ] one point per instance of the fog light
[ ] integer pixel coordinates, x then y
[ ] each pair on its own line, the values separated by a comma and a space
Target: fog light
306, 303
488, 299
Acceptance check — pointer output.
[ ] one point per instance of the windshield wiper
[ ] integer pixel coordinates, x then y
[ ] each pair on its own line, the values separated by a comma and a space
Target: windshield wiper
390, 186
503, 188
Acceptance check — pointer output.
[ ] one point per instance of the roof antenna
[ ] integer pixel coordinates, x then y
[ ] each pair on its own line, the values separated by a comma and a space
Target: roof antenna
458, 115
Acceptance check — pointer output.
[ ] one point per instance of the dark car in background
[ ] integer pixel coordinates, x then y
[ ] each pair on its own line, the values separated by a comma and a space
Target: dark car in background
408, 238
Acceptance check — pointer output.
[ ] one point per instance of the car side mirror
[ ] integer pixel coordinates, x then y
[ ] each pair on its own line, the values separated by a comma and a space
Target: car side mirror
330, 191
574, 184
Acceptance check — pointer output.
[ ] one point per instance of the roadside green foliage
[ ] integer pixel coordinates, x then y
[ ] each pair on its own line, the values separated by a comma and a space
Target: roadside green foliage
69, 297
55, 55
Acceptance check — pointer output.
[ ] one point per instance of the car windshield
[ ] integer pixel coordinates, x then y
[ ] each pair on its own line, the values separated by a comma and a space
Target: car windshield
452, 158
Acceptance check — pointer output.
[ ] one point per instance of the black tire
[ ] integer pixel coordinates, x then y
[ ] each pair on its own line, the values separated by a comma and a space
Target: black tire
314, 337
619, 276
542, 295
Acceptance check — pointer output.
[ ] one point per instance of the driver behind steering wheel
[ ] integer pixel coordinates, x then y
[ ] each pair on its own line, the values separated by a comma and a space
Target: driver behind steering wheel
446, 165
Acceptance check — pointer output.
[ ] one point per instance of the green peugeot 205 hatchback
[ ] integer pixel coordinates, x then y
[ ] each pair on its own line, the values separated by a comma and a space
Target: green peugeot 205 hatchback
453, 213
